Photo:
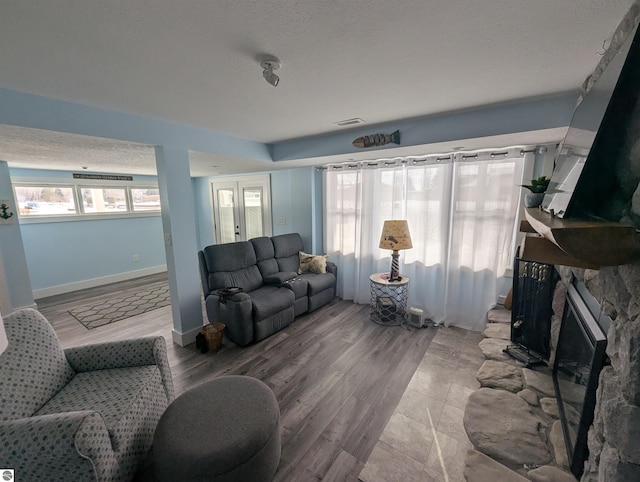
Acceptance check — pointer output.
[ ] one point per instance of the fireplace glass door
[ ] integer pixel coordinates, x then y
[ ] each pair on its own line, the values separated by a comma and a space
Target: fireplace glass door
579, 359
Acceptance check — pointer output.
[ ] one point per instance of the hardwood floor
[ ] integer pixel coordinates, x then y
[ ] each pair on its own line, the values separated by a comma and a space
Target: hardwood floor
337, 376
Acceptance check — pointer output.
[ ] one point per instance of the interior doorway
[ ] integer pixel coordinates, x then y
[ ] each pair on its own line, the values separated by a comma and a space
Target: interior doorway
241, 208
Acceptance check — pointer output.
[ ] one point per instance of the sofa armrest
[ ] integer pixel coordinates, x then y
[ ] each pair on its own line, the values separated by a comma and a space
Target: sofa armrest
133, 352
279, 279
236, 312
332, 268
59, 446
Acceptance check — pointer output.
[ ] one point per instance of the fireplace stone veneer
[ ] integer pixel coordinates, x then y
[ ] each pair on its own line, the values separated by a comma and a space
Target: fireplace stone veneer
614, 437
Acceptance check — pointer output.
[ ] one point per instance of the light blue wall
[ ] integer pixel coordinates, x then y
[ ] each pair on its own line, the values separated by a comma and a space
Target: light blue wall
12, 253
291, 199
61, 253
204, 212
69, 252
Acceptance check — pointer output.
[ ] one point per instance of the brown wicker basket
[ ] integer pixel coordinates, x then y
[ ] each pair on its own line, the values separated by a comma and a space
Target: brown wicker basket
213, 335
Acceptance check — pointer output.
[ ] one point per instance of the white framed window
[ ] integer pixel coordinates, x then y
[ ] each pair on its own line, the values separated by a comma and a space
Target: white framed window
99, 199
145, 198
47, 201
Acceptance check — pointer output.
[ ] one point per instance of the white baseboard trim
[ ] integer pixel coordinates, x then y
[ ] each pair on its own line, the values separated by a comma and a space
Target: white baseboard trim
184, 339
92, 283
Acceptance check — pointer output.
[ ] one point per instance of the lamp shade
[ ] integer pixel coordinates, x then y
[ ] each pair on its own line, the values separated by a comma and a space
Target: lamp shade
4, 343
395, 235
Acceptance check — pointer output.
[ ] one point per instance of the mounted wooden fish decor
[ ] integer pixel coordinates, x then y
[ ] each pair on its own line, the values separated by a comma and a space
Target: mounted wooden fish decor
377, 140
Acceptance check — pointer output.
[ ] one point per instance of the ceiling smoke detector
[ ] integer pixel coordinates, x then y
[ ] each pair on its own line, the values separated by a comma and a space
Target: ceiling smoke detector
269, 64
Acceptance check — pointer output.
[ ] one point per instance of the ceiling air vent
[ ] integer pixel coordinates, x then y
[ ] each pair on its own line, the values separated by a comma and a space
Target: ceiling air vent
349, 122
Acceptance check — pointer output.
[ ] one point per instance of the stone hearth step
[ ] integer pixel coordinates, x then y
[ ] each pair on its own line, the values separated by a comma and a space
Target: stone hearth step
549, 473
550, 407
480, 468
497, 374
493, 349
490, 419
530, 397
498, 330
512, 421
499, 314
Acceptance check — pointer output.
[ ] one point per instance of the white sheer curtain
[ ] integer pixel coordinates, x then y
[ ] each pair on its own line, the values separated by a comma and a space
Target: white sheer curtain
461, 211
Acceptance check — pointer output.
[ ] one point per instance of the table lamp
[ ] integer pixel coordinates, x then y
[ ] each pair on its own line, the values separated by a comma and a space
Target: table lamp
395, 236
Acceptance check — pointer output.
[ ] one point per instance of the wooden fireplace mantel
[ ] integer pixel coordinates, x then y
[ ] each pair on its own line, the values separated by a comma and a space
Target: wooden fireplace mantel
581, 243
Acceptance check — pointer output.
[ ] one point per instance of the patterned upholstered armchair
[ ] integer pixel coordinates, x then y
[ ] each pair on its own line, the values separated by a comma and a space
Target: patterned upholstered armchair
84, 413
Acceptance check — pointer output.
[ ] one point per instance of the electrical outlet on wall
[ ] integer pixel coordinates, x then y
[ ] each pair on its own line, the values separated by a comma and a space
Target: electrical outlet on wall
282, 221
136, 258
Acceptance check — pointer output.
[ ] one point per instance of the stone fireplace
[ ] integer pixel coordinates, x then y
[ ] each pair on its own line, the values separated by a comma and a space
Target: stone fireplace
513, 421
614, 437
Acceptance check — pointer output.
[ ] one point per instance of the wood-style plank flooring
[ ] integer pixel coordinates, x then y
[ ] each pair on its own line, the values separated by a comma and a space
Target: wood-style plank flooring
337, 376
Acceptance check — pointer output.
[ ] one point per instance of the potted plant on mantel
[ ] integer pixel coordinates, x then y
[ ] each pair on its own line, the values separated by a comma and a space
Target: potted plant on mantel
537, 187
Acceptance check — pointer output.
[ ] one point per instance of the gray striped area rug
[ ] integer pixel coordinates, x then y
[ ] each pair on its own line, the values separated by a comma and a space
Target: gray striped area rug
115, 309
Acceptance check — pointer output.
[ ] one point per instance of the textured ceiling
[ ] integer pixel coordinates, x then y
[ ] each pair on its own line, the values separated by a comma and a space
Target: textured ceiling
194, 62
31, 148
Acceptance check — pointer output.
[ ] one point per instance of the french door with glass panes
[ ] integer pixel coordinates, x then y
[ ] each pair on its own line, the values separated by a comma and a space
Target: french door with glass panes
241, 208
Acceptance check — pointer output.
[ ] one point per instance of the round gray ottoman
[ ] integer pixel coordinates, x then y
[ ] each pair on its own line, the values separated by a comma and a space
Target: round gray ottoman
227, 429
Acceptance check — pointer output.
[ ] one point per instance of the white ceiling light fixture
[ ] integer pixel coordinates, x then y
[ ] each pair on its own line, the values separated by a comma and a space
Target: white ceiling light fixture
269, 64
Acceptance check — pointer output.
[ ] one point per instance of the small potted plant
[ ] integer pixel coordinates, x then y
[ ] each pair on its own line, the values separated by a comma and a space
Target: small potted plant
537, 187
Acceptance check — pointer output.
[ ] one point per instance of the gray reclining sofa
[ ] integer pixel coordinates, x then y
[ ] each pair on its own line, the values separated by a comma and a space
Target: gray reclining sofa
273, 293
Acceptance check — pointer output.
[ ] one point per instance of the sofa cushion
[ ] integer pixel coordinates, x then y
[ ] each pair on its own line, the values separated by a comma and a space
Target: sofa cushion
229, 256
268, 267
265, 255
287, 245
248, 279
33, 368
232, 264
269, 300
319, 282
286, 248
263, 246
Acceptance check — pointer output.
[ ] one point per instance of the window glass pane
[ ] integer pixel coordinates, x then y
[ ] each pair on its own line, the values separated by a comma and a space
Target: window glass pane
145, 199
100, 200
225, 213
253, 212
45, 200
